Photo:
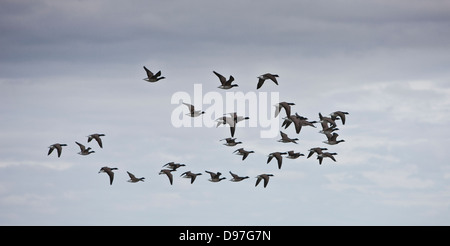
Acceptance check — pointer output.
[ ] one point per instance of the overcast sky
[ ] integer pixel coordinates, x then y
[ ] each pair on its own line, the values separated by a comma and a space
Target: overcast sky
72, 68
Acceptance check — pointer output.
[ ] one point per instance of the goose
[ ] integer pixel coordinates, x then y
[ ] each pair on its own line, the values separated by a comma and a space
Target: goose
237, 178
152, 77
174, 166
261, 177
192, 111
231, 141
326, 120
190, 175
285, 105
109, 171
340, 114
97, 138
317, 150
293, 155
278, 156
168, 173
227, 120
83, 150
324, 155
225, 84
286, 139
265, 76
57, 146
328, 130
231, 121
332, 139
243, 152
133, 178
299, 122
215, 177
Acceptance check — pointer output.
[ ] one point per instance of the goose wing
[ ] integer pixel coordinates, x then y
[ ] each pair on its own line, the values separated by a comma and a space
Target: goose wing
131, 175
260, 83
279, 159
222, 79
82, 148
149, 73
266, 180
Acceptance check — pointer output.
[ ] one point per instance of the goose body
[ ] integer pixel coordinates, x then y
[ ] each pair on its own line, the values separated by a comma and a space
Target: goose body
266, 76
58, 147
109, 171
152, 77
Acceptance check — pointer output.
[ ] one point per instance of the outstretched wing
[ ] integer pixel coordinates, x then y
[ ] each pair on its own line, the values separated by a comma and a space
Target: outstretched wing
222, 79
149, 73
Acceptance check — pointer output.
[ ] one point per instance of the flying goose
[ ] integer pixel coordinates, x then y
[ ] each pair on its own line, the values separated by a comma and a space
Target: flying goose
230, 141
168, 173
317, 150
215, 177
286, 139
190, 175
298, 121
225, 84
324, 155
285, 105
327, 130
243, 152
192, 111
133, 178
237, 178
231, 121
265, 76
326, 120
152, 77
339, 114
293, 155
174, 166
261, 177
109, 171
97, 138
83, 150
278, 156
58, 148
332, 139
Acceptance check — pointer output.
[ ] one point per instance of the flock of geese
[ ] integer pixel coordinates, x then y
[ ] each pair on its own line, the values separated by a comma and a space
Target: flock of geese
328, 124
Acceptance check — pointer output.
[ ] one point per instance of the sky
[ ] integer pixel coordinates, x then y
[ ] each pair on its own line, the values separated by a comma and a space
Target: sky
72, 68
